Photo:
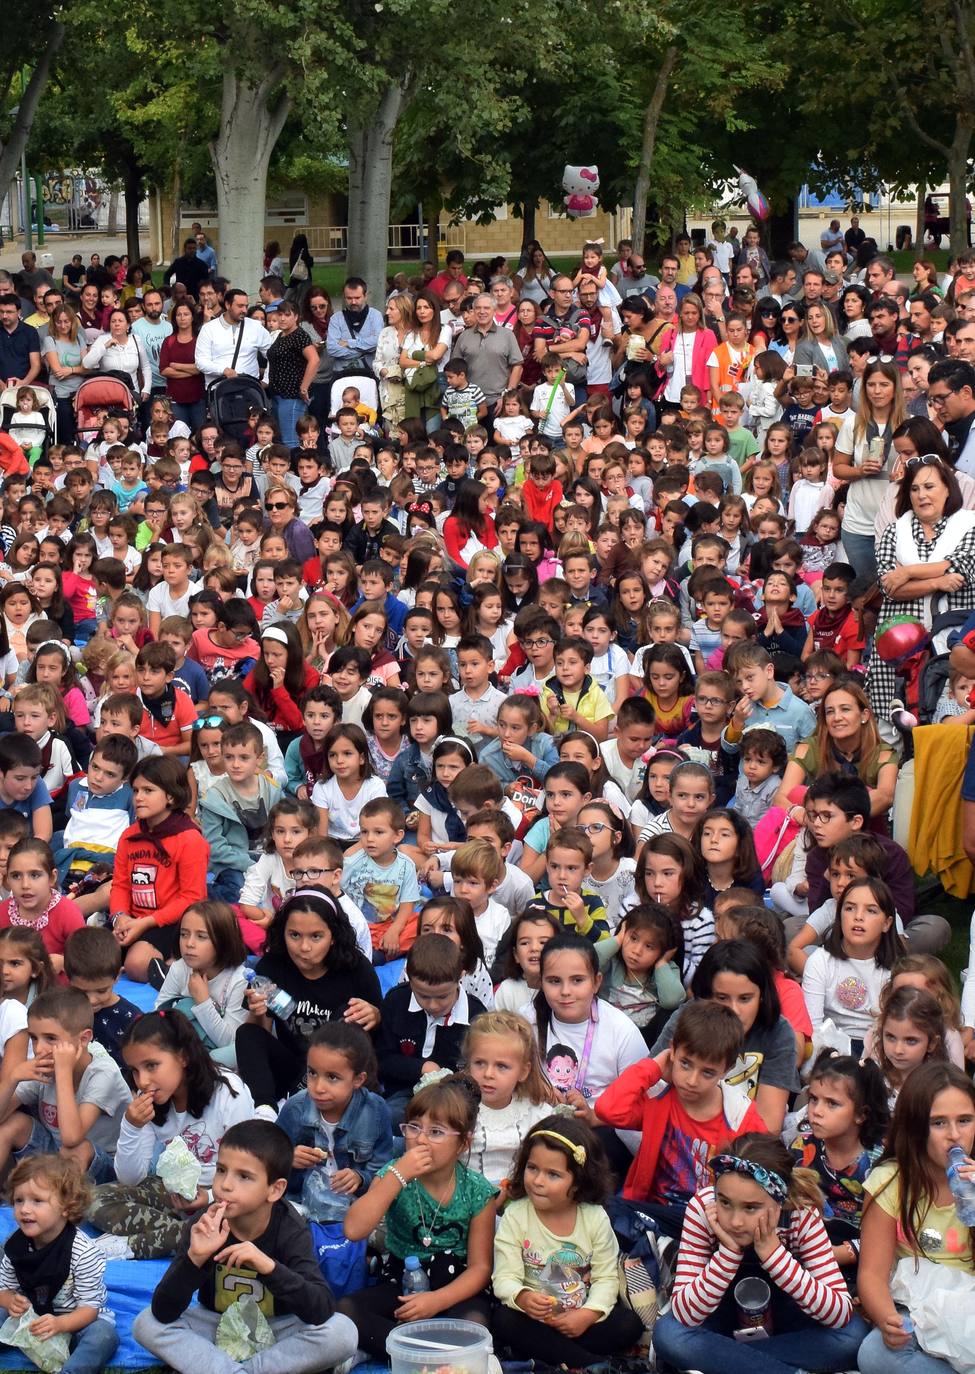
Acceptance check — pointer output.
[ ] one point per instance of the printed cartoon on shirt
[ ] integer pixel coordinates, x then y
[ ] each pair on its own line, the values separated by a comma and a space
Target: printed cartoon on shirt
565, 1273
745, 1073
561, 1065
144, 885
380, 901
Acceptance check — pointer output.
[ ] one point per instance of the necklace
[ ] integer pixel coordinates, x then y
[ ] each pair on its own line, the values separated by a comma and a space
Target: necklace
426, 1235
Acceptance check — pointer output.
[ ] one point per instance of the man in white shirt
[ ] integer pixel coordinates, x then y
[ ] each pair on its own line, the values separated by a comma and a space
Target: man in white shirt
604, 333
217, 341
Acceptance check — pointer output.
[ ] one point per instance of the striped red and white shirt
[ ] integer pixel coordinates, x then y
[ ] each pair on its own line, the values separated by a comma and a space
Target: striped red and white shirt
802, 1265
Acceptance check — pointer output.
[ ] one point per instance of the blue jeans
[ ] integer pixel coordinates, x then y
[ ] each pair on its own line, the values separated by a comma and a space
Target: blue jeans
812, 1347
92, 1348
226, 886
287, 413
192, 415
42, 1142
860, 550
876, 1358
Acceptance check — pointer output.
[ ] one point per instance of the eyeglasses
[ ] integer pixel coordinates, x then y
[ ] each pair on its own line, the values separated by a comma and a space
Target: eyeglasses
309, 875
938, 400
537, 643
789, 319
277, 505
595, 828
212, 722
818, 677
412, 1130
711, 701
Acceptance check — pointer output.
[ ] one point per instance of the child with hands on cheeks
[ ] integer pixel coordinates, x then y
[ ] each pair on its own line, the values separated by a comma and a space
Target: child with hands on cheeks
48, 1265
250, 1240
435, 1208
556, 1226
760, 1219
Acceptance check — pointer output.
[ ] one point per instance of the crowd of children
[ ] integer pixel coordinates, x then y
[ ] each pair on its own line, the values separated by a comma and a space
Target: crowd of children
495, 810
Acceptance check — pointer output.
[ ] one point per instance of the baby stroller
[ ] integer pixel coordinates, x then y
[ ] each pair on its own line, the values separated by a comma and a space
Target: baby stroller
229, 400
99, 393
48, 413
364, 382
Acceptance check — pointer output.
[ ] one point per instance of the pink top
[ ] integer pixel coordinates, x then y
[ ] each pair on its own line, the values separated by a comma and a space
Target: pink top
62, 918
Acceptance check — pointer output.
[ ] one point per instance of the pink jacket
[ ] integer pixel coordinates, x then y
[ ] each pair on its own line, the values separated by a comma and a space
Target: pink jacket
704, 345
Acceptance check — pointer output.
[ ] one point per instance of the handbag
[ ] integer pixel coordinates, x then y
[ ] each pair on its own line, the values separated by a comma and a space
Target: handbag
300, 270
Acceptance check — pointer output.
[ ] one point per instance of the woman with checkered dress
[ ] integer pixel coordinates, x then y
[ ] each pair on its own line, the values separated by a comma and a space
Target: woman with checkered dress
925, 560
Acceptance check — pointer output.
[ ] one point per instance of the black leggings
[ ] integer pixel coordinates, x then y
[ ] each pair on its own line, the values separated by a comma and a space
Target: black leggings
525, 1337
373, 1311
268, 1067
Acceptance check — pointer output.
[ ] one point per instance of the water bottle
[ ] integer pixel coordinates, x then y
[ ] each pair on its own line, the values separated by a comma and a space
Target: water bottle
279, 1004
415, 1278
963, 1189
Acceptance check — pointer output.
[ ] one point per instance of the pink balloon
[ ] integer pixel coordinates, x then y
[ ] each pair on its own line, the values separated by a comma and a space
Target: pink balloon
758, 206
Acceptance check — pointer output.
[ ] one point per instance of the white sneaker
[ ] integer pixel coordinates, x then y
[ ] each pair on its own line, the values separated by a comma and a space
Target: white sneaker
265, 1112
114, 1247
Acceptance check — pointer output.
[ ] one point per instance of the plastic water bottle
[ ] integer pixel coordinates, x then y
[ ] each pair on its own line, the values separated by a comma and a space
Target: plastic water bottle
962, 1188
279, 1004
415, 1278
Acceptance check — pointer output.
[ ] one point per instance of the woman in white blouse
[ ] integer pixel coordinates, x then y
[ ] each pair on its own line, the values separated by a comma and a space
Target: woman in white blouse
120, 351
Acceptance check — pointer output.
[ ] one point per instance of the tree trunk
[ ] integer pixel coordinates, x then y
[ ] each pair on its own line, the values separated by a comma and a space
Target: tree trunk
112, 227
958, 181
11, 150
651, 121
370, 145
133, 199
922, 191
249, 129
528, 211
780, 229
174, 227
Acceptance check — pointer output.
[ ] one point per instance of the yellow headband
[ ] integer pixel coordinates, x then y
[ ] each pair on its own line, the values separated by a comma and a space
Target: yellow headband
578, 1152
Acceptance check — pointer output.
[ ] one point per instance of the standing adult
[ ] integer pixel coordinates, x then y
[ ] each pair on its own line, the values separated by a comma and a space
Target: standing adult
178, 367
926, 562
864, 457
205, 251
951, 396
452, 316
637, 350
292, 361
669, 268
535, 281
153, 329
852, 314
453, 272
505, 309
820, 345
188, 268
389, 348
216, 343
353, 331
20, 346
529, 312
563, 330
119, 351
300, 264
65, 346
72, 276
791, 321
880, 276
492, 355
685, 350
89, 315
316, 311
832, 237
603, 334
425, 345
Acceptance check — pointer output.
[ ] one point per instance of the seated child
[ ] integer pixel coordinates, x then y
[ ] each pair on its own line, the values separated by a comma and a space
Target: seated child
206, 983
339, 1127
423, 1021
49, 1265
234, 810
21, 786
319, 862
565, 1228
248, 1240
476, 871
435, 1208
641, 967
168, 713
92, 964
576, 906
502, 1056
763, 760
35, 900
99, 809
383, 882
72, 1097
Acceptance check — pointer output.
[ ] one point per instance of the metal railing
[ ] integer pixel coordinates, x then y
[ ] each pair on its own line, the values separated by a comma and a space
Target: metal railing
403, 240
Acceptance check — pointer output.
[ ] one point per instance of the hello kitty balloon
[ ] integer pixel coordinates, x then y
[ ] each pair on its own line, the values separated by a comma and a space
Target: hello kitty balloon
580, 185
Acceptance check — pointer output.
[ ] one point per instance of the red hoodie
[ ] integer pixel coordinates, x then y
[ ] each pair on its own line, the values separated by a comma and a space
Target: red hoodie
159, 873
540, 502
628, 1105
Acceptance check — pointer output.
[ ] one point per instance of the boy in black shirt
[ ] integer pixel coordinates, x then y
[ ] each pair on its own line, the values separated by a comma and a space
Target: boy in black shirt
248, 1241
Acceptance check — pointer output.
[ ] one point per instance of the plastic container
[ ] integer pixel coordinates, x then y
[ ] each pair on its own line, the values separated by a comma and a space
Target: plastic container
439, 1346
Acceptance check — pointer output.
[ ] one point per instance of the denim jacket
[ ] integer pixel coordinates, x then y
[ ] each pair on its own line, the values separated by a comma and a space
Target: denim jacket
408, 777
363, 1140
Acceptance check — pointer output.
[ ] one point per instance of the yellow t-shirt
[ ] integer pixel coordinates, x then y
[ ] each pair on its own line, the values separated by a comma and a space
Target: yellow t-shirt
943, 1237
592, 705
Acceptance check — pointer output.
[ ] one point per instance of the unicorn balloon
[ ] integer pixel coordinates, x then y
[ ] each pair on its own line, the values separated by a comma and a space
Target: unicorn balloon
758, 206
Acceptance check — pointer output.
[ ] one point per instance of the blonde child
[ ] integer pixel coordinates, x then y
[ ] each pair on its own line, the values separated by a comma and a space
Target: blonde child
502, 1057
761, 481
